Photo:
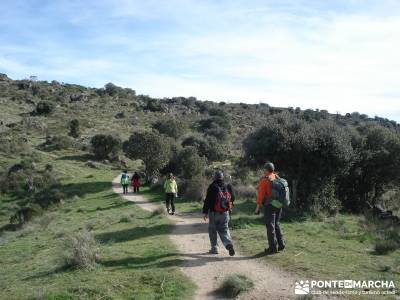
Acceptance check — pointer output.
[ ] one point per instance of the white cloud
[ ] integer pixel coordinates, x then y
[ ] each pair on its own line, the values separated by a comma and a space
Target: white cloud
311, 54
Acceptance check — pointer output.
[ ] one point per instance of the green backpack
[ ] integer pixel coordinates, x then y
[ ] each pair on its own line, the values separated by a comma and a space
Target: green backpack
280, 193
125, 179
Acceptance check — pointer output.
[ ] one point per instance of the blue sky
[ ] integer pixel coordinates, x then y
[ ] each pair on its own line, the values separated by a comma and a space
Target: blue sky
337, 55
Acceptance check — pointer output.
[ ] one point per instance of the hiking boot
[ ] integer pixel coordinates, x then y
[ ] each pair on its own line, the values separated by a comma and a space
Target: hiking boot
172, 213
281, 248
230, 249
270, 251
213, 251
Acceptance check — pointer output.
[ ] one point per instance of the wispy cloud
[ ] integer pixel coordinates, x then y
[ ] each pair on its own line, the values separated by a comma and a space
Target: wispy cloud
336, 55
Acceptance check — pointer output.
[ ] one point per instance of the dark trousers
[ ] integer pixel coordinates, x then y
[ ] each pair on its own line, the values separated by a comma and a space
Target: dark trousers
274, 232
136, 189
125, 189
169, 200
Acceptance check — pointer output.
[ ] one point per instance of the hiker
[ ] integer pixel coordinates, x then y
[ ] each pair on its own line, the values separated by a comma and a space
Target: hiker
125, 182
136, 182
272, 210
171, 192
217, 207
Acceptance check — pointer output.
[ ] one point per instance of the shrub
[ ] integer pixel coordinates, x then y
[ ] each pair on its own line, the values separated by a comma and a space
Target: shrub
57, 142
324, 199
194, 189
216, 112
245, 191
23, 215
49, 196
190, 163
111, 89
126, 218
81, 250
297, 147
120, 115
153, 105
22, 179
74, 128
170, 127
233, 285
45, 107
105, 146
217, 126
209, 147
153, 149
383, 246
12, 145
158, 211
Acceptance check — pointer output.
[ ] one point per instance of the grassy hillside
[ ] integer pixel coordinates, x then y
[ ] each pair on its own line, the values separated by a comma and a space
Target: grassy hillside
136, 259
346, 163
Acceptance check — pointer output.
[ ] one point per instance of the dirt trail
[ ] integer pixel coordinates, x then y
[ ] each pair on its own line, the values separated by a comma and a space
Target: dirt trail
207, 271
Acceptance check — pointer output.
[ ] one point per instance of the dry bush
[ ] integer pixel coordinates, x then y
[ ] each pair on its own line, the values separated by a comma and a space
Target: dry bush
194, 189
245, 191
233, 285
81, 250
126, 218
158, 211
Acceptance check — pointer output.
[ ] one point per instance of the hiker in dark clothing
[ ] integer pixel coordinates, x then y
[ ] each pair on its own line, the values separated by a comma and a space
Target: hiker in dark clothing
272, 212
135, 182
216, 208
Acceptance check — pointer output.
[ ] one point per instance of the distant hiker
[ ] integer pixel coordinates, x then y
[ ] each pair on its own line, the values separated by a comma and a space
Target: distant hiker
273, 194
136, 182
125, 182
171, 192
217, 206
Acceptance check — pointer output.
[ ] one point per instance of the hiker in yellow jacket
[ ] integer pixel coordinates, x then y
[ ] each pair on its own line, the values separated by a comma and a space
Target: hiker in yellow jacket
171, 192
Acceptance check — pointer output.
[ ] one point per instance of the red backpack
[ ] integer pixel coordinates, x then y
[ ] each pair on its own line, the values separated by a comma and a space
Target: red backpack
223, 203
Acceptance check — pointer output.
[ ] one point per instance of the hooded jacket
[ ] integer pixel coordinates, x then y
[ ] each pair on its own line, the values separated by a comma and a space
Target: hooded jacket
212, 193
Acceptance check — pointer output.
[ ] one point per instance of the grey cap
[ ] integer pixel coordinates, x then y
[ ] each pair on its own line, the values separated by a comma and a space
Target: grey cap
269, 166
218, 175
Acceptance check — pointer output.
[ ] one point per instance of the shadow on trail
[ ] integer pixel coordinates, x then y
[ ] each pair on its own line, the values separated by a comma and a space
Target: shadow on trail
156, 261
173, 260
136, 233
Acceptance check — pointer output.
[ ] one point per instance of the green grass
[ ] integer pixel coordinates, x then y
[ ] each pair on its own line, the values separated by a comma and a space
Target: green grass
137, 259
331, 248
334, 248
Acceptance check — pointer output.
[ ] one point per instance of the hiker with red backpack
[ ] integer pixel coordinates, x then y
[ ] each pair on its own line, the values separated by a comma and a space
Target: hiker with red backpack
216, 208
273, 194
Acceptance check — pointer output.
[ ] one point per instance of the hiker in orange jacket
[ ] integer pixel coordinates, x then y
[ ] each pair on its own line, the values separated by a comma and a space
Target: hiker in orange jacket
272, 215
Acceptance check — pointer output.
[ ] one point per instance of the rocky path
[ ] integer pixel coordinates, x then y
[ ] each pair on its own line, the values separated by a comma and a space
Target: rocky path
207, 271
